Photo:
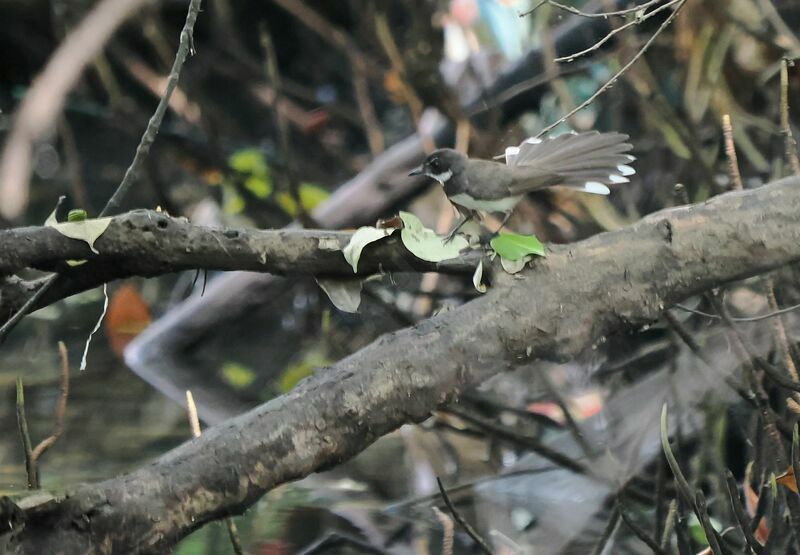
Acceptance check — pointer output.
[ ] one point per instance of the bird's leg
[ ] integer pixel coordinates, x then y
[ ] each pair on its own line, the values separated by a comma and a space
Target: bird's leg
502, 223
505, 221
464, 216
450, 236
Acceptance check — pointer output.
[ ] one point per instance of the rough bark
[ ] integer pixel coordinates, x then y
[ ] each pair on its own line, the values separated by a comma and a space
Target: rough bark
148, 243
565, 303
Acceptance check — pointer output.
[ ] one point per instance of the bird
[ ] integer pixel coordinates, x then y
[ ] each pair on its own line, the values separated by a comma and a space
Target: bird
588, 162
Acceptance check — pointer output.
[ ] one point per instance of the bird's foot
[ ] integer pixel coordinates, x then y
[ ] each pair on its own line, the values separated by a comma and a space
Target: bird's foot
450, 236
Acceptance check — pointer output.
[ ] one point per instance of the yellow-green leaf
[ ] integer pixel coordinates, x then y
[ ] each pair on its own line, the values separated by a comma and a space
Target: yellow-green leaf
425, 244
249, 161
311, 196
237, 375
258, 185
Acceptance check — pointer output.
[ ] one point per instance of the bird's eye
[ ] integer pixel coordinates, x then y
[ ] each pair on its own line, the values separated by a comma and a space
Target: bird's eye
436, 164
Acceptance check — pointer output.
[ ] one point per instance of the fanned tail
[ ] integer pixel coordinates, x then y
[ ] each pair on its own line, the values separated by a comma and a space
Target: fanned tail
587, 161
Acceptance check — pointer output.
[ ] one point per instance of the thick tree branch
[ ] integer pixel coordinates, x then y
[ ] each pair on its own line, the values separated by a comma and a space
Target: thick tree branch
150, 243
568, 301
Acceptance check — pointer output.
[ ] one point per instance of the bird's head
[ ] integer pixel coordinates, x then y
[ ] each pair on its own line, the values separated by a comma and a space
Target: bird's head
441, 165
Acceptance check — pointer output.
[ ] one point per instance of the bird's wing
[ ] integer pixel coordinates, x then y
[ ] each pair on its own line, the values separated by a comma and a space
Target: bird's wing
588, 161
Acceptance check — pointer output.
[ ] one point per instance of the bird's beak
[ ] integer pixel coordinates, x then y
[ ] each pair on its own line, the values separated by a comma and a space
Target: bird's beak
416, 171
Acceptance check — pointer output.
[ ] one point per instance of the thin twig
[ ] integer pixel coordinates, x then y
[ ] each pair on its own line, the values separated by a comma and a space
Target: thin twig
447, 531
22, 426
534, 445
150, 133
61, 406
780, 331
463, 523
11, 323
194, 422
282, 125
696, 501
617, 75
669, 523
608, 531
730, 152
611, 34
705, 521
786, 127
572, 424
744, 319
576, 11
637, 530
741, 515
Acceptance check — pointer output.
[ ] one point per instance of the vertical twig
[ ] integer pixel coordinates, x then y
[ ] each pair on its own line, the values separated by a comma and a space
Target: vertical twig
786, 127
194, 422
61, 406
730, 152
702, 514
281, 125
696, 501
572, 424
608, 531
447, 531
22, 426
780, 332
637, 530
463, 523
669, 523
741, 516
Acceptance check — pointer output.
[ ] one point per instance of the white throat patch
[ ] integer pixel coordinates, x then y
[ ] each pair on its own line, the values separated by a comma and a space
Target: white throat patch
443, 177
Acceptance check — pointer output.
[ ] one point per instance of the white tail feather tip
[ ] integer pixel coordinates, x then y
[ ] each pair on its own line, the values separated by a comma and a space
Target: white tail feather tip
596, 187
626, 170
533, 141
511, 153
618, 179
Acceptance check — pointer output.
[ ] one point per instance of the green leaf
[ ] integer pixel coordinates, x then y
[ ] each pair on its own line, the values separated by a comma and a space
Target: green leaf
302, 369
238, 375
513, 246
232, 201
311, 196
425, 244
249, 161
76, 215
696, 528
258, 185
360, 239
